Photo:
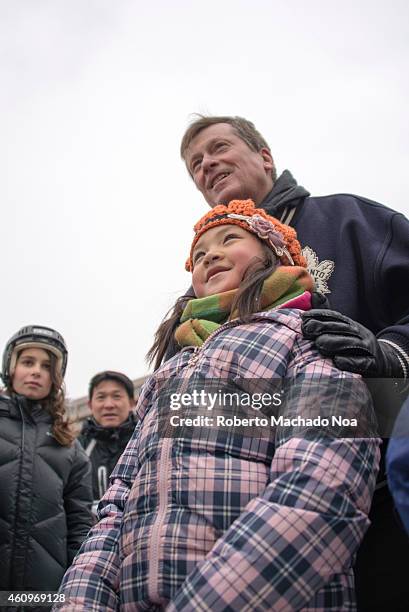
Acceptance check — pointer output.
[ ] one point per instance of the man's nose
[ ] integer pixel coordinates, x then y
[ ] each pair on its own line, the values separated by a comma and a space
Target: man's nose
108, 401
208, 162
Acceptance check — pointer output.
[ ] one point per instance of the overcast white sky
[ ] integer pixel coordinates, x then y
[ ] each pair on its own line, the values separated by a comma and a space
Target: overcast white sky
96, 206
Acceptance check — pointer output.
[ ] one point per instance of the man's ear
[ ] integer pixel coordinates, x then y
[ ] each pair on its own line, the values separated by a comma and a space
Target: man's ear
267, 159
188, 171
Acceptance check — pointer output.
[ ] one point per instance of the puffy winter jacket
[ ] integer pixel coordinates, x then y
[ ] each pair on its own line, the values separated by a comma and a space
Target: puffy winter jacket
45, 498
218, 520
104, 446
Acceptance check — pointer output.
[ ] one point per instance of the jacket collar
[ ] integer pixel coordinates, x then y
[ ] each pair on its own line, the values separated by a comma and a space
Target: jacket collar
19, 406
92, 429
285, 192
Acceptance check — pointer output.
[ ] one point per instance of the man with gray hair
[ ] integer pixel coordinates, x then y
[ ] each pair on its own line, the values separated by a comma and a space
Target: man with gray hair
358, 253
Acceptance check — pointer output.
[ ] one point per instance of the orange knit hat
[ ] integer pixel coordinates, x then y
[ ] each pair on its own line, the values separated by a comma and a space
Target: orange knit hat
282, 239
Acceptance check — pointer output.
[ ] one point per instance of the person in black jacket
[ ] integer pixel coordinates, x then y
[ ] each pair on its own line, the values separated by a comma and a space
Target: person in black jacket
45, 476
106, 433
358, 253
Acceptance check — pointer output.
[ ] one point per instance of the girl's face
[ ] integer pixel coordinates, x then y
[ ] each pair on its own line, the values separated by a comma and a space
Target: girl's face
32, 376
221, 258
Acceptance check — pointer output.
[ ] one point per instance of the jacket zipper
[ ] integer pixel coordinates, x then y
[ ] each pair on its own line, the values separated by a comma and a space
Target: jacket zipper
18, 495
164, 471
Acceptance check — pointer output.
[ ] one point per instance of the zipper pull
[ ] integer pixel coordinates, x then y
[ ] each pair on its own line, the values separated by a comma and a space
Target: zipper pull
195, 356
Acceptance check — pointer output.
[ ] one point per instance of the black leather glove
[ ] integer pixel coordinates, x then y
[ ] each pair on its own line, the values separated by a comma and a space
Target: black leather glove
351, 345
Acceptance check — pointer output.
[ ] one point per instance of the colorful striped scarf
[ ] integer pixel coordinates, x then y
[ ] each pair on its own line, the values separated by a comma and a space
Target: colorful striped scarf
202, 316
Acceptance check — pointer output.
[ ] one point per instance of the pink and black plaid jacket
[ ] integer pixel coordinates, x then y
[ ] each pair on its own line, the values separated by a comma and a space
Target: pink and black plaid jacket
222, 521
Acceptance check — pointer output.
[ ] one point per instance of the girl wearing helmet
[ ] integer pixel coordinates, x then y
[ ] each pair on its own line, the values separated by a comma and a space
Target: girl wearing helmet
45, 480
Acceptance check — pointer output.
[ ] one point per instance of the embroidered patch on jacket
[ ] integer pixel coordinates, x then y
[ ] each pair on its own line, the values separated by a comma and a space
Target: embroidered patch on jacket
320, 271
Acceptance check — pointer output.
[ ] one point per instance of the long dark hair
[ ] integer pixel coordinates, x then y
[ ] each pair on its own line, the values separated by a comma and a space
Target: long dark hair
54, 404
245, 303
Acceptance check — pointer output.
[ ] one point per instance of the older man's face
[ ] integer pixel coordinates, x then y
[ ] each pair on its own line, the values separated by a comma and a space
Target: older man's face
224, 168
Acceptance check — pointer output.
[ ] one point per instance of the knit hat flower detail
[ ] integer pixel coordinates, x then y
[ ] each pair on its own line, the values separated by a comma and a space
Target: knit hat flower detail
282, 239
265, 230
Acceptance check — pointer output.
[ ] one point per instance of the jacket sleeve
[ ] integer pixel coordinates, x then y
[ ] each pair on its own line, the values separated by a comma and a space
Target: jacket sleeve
391, 275
307, 525
92, 581
77, 502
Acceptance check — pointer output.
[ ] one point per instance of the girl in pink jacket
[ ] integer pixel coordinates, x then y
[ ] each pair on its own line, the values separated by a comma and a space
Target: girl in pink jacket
248, 482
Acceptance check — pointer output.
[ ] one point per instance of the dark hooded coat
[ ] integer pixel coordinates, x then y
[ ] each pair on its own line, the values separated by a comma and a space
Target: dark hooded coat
45, 498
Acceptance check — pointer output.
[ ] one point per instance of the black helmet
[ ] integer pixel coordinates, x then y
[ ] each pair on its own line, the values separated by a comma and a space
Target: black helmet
33, 336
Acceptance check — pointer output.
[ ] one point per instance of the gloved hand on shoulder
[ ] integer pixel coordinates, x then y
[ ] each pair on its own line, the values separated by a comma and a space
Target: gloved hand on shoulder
352, 346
